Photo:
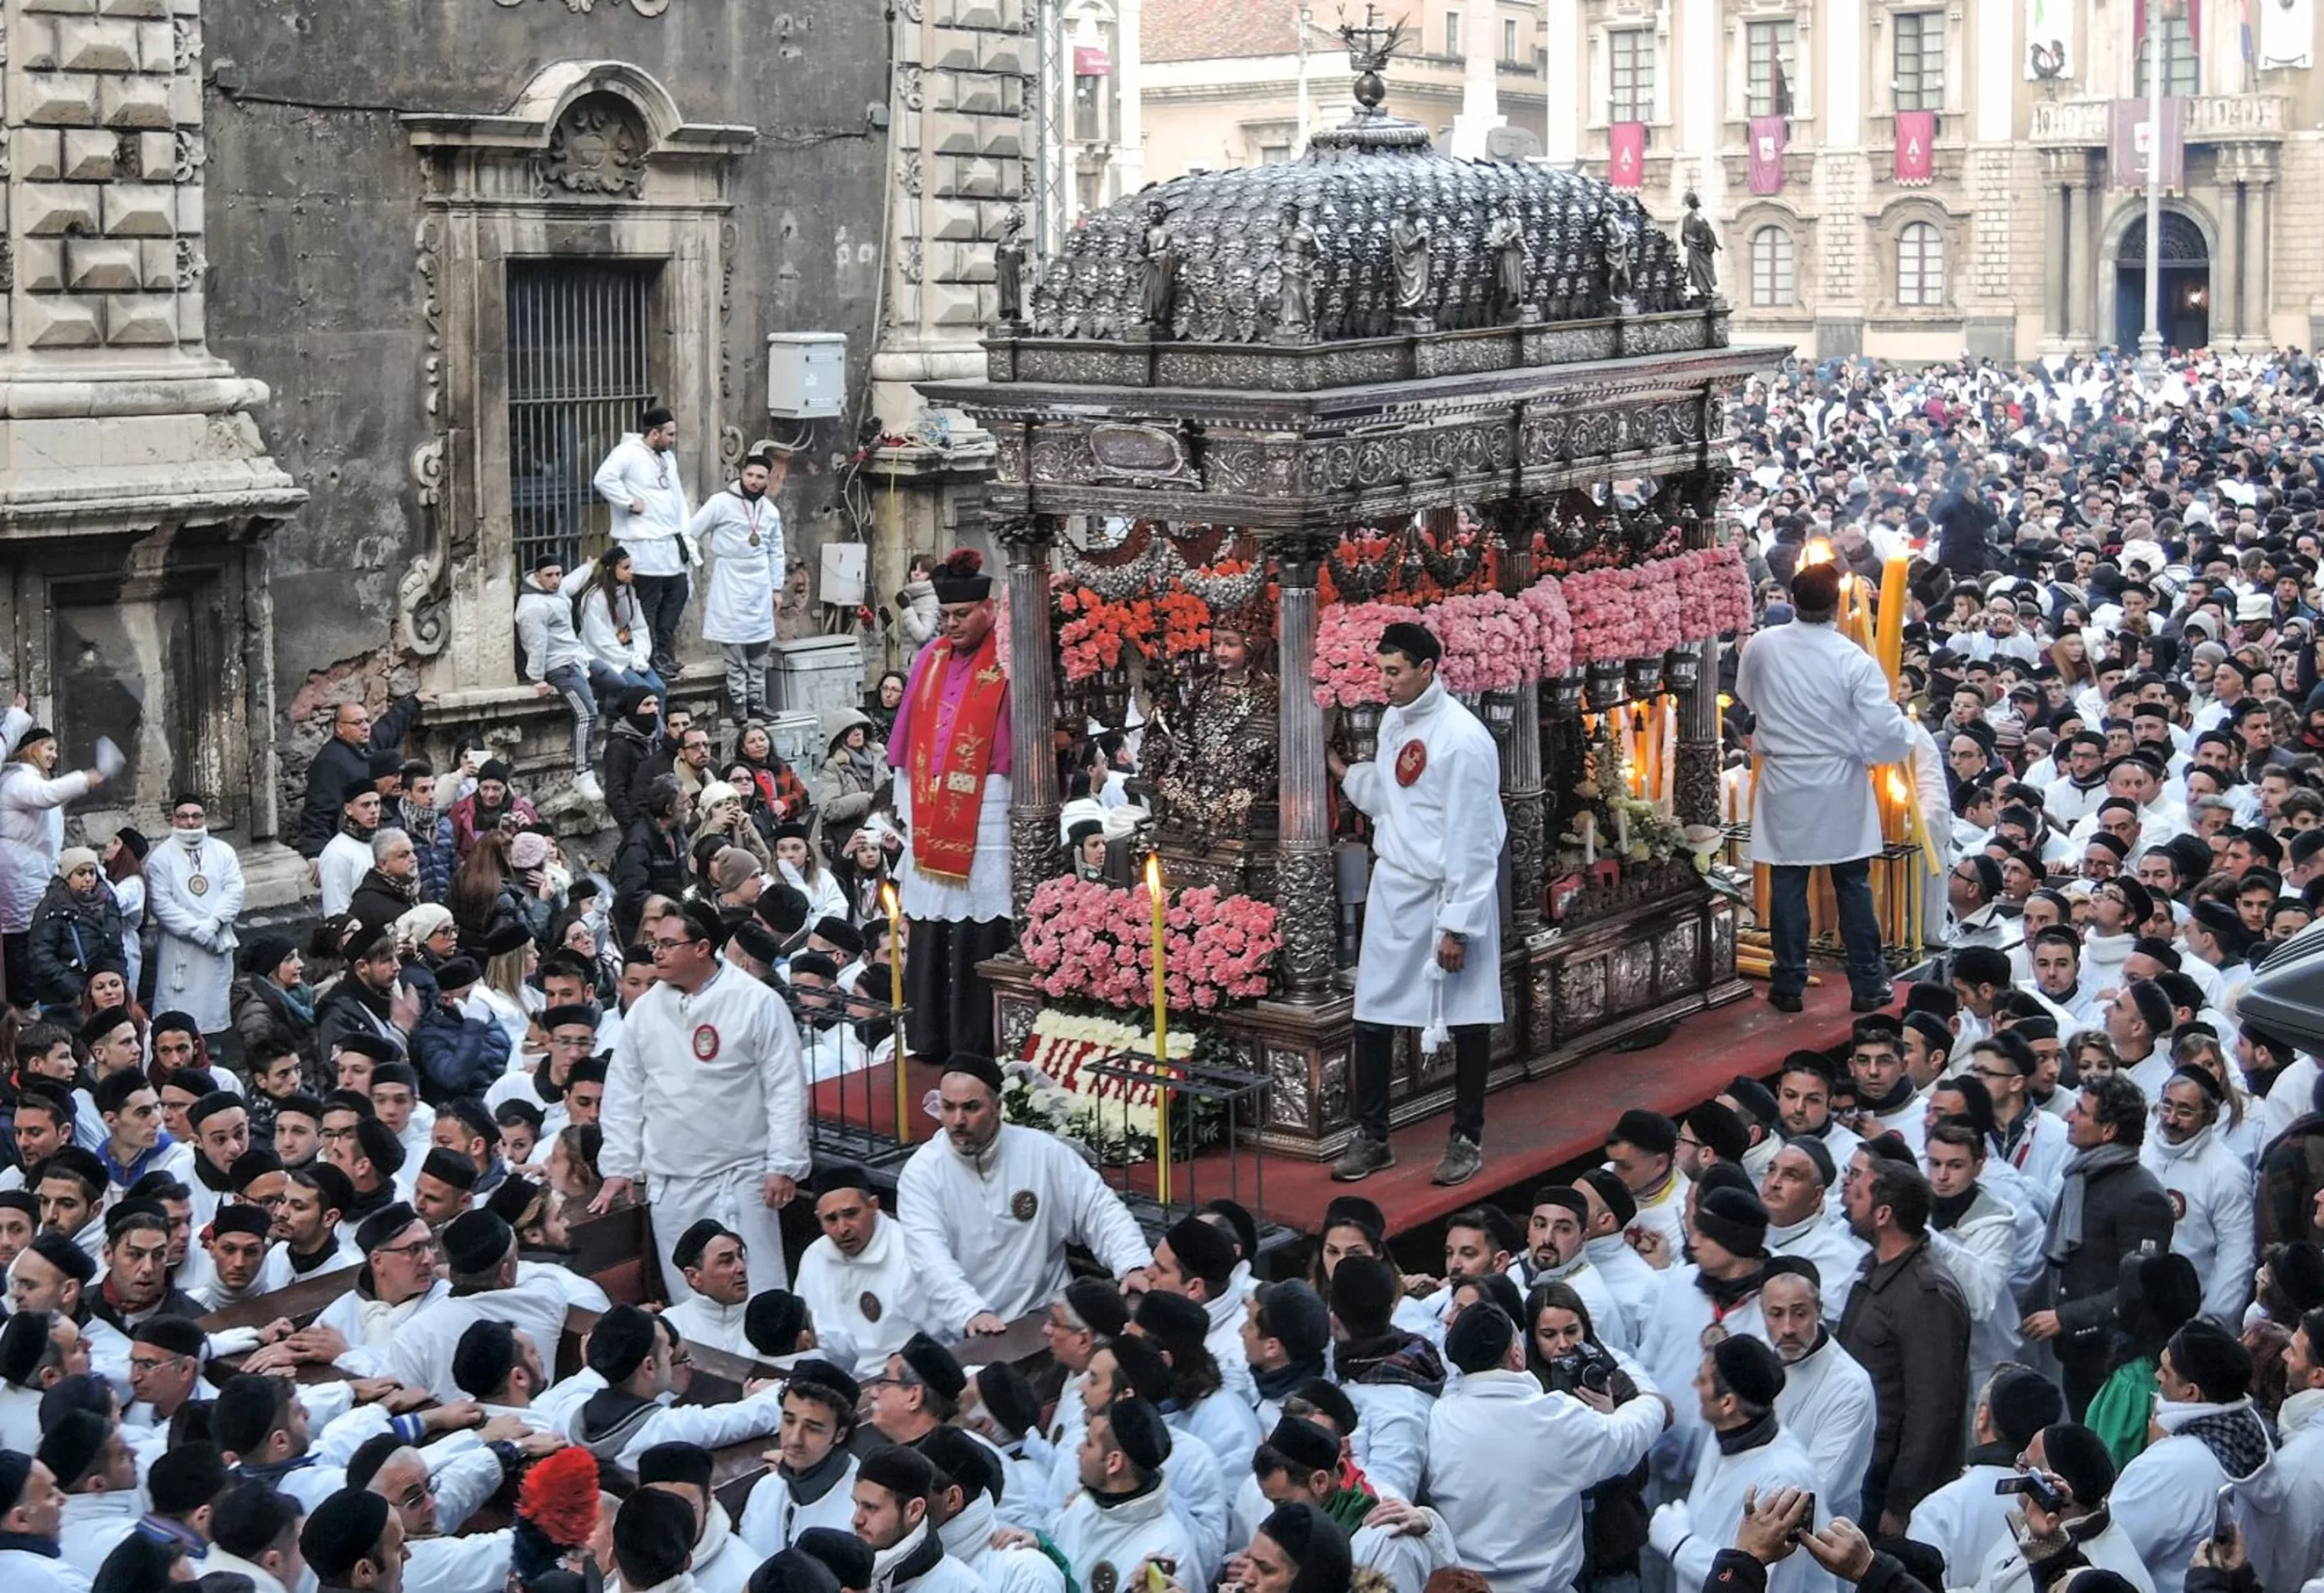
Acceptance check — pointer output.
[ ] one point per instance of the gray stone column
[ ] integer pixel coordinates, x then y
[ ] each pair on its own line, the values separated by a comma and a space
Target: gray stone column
2081, 250
2059, 202
1304, 895
1033, 849
1520, 762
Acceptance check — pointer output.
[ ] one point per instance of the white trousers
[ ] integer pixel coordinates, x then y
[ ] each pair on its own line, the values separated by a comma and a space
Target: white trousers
731, 1198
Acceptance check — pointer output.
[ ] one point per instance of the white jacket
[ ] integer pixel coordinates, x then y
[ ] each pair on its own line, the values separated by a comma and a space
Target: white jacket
1827, 1406
2005, 1571
601, 627
545, 629
841, 1293
1964, 1520
2287, 1533
2211, 1193
1836, 1253
657, 540
32, 834
1689, 1532
703, 1084
772, 1521
1122, 1538
1506, 1467
1980, 1252
990, 1235
2165, 1499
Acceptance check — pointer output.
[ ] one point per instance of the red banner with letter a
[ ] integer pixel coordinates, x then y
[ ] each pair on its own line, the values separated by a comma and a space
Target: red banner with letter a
1625, 153
1768, 135
2132, 141
1915, 147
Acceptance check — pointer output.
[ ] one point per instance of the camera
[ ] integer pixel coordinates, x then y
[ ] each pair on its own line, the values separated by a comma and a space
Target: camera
1585, 1366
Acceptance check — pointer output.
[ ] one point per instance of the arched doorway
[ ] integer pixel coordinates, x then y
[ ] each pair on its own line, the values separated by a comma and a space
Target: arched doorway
2184, 305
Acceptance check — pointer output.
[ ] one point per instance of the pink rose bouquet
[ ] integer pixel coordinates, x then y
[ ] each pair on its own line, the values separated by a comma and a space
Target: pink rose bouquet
1347, 641
1489, 644
1714, 593
1552, 625
1622, 614
1091, 941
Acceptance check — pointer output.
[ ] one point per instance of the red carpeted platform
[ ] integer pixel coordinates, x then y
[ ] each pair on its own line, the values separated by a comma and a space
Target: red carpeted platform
1535, 1127
1530, 1128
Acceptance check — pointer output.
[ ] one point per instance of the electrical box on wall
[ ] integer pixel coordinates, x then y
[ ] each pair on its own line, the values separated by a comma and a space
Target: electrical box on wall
806, 375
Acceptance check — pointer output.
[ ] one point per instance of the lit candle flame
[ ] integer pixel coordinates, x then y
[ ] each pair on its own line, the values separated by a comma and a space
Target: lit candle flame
888, 899
1897, 789
1818, 551
1154, 872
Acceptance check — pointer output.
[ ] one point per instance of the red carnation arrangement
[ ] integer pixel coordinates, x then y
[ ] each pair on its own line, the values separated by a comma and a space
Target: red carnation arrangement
559, 1497
961, 562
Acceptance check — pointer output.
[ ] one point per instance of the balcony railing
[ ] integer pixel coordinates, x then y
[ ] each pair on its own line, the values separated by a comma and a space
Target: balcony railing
2210, 119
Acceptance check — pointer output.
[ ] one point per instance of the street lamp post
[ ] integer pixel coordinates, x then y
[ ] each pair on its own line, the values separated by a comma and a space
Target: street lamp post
2150, 367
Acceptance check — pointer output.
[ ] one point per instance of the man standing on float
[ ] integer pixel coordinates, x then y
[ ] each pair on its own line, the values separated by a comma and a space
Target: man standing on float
952, 741
1431, 958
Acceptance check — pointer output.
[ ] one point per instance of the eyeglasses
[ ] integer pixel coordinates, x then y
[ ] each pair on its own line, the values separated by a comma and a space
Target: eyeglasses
415, 1497
669, 944
412, 1252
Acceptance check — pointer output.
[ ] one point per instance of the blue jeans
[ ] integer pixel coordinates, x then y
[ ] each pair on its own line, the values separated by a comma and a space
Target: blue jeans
1859, 927
605, 681
571, 681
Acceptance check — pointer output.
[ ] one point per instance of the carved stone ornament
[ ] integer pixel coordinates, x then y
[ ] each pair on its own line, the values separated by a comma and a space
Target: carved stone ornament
1305, 899
598, 148
583, 7
1139, 453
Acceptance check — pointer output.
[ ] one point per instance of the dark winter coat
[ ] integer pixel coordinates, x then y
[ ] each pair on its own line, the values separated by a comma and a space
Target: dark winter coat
337, 766
70, 934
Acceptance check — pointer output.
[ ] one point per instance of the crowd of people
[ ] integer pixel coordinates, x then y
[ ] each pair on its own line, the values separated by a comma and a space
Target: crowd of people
2021, 1288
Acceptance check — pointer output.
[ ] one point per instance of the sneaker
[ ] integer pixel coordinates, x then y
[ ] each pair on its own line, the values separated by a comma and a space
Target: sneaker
1462, 1159
1784, 1000
1874, 1002
1362, 1158
586, 784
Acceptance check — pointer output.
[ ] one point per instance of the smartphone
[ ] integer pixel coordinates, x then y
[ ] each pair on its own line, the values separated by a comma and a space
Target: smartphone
1807, 1522
2035, 1487
2223, 1515
1156, 1578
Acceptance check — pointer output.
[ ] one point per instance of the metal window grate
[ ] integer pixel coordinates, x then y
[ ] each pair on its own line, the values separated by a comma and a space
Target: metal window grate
1630, 76
1920, 60
580, 369
2182, 69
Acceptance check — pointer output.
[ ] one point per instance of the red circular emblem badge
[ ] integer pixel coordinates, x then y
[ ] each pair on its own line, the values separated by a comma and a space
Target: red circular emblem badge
705, 1042
869, 1304
2178, 1204
1411, 762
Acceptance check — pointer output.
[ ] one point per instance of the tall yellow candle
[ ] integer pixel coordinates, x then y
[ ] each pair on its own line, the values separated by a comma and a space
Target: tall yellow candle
1161, 1034
1890, 636
896, 1007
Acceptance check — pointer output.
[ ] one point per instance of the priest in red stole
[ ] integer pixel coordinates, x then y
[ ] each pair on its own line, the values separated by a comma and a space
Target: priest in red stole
950, 743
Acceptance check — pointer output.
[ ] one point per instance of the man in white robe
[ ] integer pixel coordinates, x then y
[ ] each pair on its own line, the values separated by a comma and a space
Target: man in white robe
1737, 1388
2210, 1192
1431, 958
1556, 1252
988, 1209
706, 1097
1827, 1399
1965, 1518
193, 888
1800, 1224
1826, 717
857, 1278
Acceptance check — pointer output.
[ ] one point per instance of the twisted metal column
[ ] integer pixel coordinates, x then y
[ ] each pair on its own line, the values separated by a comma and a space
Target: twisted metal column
1522, 774
1033, 849
1304, 895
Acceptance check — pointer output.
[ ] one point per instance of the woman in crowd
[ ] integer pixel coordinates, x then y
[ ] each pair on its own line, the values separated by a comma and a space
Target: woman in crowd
76, 924
427, 935
879, 704
853, 775
1563, 1352
272, 1001
612, 622
796, 859
123, 859
786, 795
719, 816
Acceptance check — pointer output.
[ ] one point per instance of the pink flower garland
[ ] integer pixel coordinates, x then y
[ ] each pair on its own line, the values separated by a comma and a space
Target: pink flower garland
1094, 942
1714, 593
1552, 625
1347, 640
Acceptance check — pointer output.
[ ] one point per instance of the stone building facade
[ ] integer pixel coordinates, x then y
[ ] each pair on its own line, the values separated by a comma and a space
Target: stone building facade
319, 317
2018, 242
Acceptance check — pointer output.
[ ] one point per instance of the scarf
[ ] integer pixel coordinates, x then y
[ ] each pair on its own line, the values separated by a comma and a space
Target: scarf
1735, 1440
1725, 1294
1947, 1210
1394, 1359
863, 765
2190, 1145
1880, 1106
300, 999
2236, 1437
1107, 1501
818, 1480
2066, 1224
948, 779
906, 1560
1348, 1507
44, 1547
1276, 1384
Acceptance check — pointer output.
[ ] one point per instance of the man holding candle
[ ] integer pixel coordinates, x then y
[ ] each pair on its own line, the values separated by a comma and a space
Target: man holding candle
952, 740
1826, 718
1431, 958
